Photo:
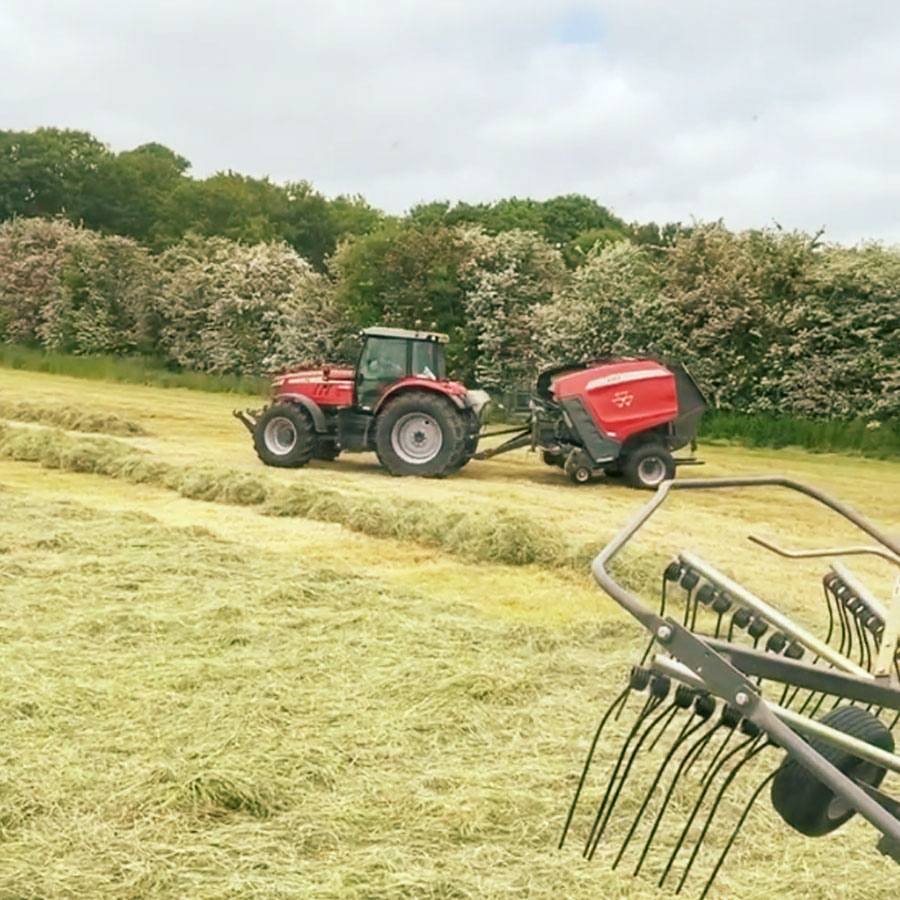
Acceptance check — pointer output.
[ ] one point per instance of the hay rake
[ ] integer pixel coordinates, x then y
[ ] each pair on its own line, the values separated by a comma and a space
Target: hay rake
732, 696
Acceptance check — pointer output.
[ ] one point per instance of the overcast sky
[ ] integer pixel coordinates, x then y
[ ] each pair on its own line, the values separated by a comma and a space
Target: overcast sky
755, 112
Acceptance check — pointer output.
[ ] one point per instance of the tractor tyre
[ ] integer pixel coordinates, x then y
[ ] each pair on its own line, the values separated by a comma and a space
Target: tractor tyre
806, 804
469, 444
648, 466
420, 433
552, 458
284, 437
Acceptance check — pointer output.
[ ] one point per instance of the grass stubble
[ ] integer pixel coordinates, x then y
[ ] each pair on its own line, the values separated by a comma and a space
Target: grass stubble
183, 717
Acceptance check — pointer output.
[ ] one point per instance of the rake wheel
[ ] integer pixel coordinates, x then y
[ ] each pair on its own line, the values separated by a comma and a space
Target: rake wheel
806, 804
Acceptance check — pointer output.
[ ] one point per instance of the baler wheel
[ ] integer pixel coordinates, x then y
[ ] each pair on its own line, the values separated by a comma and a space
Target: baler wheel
420, 433
648, 466
283, 436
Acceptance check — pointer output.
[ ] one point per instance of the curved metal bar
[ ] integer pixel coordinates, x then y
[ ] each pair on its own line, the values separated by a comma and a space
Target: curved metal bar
829, 551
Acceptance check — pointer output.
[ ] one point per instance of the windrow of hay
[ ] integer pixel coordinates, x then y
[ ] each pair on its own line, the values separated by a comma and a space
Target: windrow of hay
70, 419
496, 535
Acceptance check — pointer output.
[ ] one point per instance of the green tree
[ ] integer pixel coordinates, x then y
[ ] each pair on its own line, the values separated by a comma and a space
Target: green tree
408, 275
46, 172
130, 193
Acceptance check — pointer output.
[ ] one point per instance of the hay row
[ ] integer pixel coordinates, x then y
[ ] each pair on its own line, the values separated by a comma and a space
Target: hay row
495, 535
70, 419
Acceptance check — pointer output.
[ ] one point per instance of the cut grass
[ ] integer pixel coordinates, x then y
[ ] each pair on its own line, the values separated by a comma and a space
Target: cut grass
477, 535
70, 418
144, 370
189, 717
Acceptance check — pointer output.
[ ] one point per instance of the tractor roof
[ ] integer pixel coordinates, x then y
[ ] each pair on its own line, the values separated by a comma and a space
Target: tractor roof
409, 335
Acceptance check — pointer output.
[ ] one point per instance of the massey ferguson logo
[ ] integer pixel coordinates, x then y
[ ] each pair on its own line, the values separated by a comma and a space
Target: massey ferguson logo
622, 398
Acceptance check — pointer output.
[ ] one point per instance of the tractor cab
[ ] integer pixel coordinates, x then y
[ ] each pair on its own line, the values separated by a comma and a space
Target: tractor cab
390, 355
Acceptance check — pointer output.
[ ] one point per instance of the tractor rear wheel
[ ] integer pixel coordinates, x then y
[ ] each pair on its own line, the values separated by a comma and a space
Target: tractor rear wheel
420, 433
806, 804
648, 466
283, 436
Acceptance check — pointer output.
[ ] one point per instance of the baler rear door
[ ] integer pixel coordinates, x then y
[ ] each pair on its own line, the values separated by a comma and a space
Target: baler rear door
691, 404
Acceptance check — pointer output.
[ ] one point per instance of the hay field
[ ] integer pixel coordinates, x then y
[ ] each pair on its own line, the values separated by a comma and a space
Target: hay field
221, 680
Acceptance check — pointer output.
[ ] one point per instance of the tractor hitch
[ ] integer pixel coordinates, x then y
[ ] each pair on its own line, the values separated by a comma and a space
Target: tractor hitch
248, 417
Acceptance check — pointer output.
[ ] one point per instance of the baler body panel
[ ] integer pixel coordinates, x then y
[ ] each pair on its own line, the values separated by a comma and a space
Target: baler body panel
624, 398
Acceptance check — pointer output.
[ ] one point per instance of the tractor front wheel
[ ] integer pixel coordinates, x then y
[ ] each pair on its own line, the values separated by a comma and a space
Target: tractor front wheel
283, 436
648, 466
420, 433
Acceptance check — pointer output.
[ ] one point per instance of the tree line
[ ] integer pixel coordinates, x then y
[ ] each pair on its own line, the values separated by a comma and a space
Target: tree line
769, 321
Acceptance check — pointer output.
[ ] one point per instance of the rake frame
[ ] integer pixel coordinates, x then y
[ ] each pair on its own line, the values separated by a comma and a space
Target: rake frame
723, 669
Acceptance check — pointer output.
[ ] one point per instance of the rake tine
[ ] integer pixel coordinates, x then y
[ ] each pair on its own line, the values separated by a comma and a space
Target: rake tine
649, 706
730, 717
703, 791
663, 730
830, 613
662, 607
862, 646
682, 737
752, 751
687, 761
587, 763
668, 711
690, 604
740, 823
842, 611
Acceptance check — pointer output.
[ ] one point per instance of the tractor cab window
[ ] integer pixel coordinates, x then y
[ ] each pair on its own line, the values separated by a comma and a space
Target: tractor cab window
383, 361
428, 360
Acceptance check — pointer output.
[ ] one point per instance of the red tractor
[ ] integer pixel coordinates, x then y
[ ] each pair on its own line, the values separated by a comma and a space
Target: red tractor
397, 402
619, 417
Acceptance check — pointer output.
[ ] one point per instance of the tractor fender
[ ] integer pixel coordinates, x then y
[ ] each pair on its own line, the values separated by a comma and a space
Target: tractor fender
313, 408
454, 392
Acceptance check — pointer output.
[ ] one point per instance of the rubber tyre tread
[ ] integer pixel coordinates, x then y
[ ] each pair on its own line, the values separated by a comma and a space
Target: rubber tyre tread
553, 459
304, 447
470, 442
326, 451
801, 799
631, 464
453, 434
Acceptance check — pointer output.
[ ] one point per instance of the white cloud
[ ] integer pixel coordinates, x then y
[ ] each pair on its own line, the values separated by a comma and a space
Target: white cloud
752, 112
